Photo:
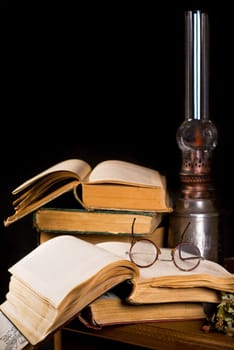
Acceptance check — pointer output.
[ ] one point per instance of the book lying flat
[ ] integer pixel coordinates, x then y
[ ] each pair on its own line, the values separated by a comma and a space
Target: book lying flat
111, 184
55, 281
84, 221
110, 309
158, 236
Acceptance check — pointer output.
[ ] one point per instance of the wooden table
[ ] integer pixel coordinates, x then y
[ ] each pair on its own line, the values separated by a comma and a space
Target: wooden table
175, 335
159, 335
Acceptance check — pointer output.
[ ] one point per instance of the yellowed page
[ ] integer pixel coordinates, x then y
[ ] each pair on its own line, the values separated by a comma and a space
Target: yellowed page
57, 266
19, 213
117, 171
109, 309
33, 326
165, 274
76, 166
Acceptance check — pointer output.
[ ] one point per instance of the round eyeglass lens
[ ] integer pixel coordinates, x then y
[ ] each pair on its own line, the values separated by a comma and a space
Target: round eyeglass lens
186, 256
144, 253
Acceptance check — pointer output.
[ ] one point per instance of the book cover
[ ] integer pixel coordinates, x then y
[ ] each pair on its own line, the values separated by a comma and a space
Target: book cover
10, 337
110, 309
84, 221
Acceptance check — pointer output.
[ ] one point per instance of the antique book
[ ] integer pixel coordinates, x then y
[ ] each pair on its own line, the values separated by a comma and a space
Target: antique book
117, 222
110, 309
52, 283
164, 282
56, 280
111, 184
157, 236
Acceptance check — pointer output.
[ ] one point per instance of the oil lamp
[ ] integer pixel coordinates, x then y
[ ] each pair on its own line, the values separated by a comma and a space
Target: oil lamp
196, 138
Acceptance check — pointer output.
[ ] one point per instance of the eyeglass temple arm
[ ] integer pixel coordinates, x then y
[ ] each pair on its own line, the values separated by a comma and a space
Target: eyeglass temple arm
183, 233
132, 232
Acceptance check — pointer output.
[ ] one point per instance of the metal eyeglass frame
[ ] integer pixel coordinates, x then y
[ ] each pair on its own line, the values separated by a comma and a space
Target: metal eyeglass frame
178, 247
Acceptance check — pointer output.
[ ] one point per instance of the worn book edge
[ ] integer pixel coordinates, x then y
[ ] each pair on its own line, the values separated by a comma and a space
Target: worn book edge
110, 309
75, 171
118, 222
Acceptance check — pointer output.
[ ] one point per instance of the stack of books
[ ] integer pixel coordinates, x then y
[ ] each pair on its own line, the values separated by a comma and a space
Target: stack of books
110, 196
111, 184
82, 265
67, 276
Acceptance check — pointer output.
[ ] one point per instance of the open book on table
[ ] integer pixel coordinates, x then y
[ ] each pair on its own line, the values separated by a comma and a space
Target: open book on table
111, 184
55, 281
52, 283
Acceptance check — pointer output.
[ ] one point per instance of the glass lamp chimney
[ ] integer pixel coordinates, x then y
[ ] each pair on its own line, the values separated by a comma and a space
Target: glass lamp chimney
197, 135
196, 138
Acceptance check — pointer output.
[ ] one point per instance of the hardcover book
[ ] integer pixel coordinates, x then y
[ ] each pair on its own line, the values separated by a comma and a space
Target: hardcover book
111, 184
110, 309
158, 236
117, 222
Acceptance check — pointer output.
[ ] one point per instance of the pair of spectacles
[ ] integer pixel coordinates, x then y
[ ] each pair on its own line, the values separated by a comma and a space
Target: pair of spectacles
144, 252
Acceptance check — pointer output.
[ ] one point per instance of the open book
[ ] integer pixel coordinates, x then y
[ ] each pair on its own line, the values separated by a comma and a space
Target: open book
111, 184
55, 281
164, 282
51, 284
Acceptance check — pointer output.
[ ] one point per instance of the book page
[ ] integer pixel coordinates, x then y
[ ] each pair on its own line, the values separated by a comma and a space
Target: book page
164, 272
117, 171
66, 262
37, 204
75, 166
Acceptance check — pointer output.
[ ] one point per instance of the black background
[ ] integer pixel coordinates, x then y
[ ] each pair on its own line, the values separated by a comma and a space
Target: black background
105, 81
